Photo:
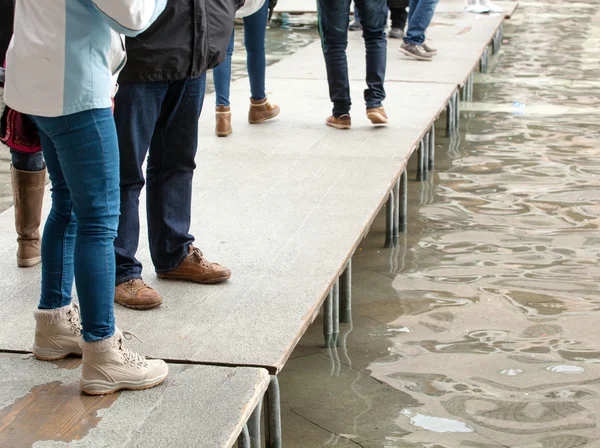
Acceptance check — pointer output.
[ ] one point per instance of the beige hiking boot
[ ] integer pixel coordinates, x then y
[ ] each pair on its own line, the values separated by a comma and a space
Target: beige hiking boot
137, 295
261, 111
109, 367
223, 121
28, 193
57, 333
196, 268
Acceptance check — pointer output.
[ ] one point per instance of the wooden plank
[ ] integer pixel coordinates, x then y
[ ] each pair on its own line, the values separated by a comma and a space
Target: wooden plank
283, 205
199, 406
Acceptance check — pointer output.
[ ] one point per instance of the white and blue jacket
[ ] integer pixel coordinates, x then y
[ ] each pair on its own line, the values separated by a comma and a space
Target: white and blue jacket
64, 54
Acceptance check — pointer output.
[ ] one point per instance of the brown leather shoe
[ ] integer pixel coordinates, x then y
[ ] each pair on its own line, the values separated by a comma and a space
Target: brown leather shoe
196, 268
223, 121
137, 295
377, 115
28, 193
262, 110
341, 122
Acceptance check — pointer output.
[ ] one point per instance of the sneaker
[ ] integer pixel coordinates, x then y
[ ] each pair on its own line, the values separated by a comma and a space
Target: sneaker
476, 7
355, 26
108, 367
196, 268
57, 333
432, 51
341, 122
223, 121
415, 51
396, 33
377, 115
491, 6
137, 295
261, 111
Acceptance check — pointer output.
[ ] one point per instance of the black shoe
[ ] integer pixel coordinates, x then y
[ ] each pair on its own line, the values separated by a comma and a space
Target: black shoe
396, 33
355, 26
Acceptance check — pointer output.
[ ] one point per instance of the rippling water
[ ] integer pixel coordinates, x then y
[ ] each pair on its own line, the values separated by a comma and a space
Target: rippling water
481, 329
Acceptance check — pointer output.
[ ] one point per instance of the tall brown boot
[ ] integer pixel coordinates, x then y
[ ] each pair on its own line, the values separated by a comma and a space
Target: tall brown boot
223, 120
261, 111
28, 193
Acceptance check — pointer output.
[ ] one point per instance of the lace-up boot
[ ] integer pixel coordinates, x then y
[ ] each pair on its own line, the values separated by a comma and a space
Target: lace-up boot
108, 367
57, 333
196, 268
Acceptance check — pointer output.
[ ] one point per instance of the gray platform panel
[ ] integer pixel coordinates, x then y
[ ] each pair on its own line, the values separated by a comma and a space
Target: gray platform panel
282, 204
197, 406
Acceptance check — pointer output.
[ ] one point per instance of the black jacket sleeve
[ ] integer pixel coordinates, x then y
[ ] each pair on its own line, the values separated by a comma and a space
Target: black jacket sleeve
6, 26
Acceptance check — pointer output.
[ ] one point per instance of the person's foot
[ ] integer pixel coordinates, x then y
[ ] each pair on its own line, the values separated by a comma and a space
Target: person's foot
355, 26
432, 51
415, 52
341, 122
137, 295
396, 33
491, 6
476, 7
57, 333
377, 115
261, 111
223, 121
196, 268
108, 367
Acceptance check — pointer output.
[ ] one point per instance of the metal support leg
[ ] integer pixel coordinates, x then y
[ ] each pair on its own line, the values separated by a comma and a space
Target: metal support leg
463, 91
402, 202
335, 313
389, 221
244, 438
346, 295
328, 320
456, 111
427, 146
432, 147
273, 437
471, 85
396, 212
449, 116
254, 427
421, 173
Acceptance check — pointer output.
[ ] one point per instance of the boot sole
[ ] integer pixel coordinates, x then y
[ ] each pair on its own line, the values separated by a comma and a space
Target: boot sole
224, 134
343, 127
377, 118
29, 262
140, 307
52, 355
262, 120
106, 388
203, 282
414, 56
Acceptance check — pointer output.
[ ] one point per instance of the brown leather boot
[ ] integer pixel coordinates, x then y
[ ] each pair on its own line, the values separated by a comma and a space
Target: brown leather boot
137, 295
223, 121
28, 193
262, 110
196, 268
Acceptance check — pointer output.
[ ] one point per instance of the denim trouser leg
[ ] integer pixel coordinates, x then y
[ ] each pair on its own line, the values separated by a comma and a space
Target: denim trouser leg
82, 157
255, 31
222, 76
161, 116
333, 28
419, 17
373, 15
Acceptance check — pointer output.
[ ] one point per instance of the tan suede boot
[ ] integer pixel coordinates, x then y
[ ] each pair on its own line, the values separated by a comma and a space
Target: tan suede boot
28, 193
57, 333
262, 110
108, 367
223, 121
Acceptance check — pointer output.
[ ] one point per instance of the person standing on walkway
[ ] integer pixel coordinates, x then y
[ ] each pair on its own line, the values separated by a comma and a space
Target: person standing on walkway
420, 14
398, 16
256, 14
333, 27
60, 70
157, 109
28, 170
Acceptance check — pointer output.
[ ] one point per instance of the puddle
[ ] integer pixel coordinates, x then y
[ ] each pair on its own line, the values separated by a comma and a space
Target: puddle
435, 424
566, 369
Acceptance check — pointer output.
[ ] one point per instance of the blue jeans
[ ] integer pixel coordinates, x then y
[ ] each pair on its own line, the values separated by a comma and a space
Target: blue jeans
159, 119
333, 28
255, 30
82, 157
420, 13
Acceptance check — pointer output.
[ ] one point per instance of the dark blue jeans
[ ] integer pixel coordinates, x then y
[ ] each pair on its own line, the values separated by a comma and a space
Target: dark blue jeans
159, 119
420, 13
82, 156
333, 27
255, 29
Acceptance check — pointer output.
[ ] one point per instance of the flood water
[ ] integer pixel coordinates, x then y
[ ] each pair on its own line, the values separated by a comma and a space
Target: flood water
482, 329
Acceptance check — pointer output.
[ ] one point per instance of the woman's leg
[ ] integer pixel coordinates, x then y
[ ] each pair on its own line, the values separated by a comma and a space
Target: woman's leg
27, 161
255, 30
222, 76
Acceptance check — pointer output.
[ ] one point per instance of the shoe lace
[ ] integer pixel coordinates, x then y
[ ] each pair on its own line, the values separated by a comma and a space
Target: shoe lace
136, 285
129, 356
197, 257
420, 49
74, 318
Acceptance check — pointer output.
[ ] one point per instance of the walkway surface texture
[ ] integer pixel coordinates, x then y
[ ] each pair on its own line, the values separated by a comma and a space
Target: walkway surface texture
284, 205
